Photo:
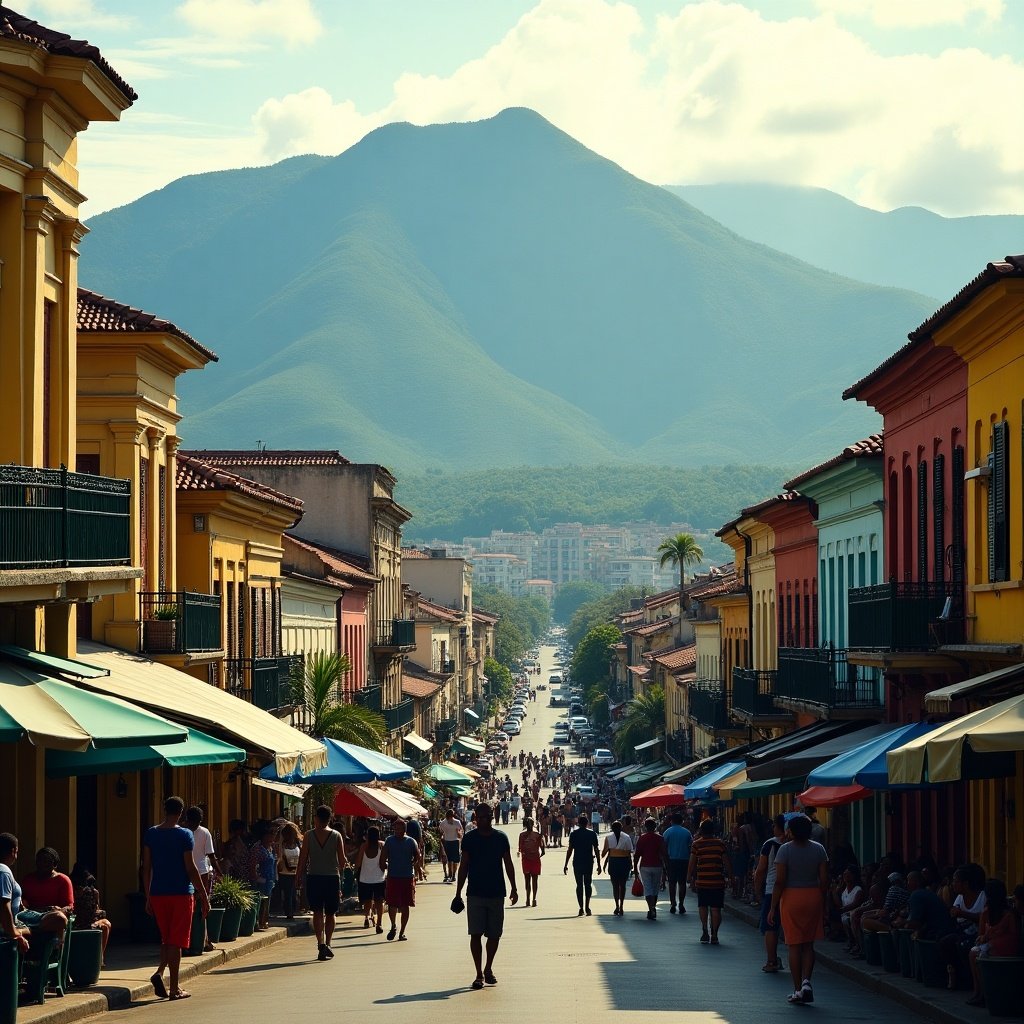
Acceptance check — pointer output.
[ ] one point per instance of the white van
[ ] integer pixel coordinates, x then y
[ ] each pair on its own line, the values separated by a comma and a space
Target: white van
578, 722
555, 679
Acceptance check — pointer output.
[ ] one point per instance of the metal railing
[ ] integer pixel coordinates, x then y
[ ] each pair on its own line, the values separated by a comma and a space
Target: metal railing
263, 682
753, 692
822, 676
370, 697
709, 707
399, 716
394, 633
906, 616
448, 666
445, 729
179, 622
52, 518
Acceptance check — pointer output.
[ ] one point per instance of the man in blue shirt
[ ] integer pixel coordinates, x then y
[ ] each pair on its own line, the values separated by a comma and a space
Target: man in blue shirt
678, 840
401, 858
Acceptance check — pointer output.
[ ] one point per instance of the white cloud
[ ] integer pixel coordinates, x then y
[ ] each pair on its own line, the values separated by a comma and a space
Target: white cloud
309, 122
73, 15
292, 22
914, 13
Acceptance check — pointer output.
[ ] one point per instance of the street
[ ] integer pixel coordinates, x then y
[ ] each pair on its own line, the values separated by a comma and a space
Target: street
552, 965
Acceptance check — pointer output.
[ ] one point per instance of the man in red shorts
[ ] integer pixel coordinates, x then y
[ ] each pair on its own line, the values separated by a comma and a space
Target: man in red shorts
171, 881
400, 859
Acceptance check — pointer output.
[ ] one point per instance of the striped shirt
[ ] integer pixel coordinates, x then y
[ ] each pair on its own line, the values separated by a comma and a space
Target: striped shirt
709, 853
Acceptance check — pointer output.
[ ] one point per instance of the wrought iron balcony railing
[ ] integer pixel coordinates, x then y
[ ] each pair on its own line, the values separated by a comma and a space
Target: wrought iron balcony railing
264, 682
906, 616
823, 677
753, 692
52, 518
179, 622
394, 634
371, 697
709, 707
445, 729
399, 716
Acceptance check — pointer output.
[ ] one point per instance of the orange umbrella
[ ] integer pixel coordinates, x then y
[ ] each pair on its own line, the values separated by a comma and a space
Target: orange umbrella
659, 796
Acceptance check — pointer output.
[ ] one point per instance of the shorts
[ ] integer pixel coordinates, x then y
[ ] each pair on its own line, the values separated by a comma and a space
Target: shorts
531, 865
651, 877
400, 892
453, 850
323, 893
677, 870
174, 919
485, 916
711, 898
764, 924
371, 891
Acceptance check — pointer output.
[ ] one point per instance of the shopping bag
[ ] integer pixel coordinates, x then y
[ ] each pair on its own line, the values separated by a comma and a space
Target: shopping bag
638, 886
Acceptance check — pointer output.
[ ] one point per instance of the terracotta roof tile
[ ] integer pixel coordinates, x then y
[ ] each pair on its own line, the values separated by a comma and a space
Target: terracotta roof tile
25, 30
633, 615
414, 553
195, 475
752, 510
418, 687
438, 611
96, 312
718, 588
339, 563
665, 597
677, 659
870, 447
651, 628
489, 617
270, 457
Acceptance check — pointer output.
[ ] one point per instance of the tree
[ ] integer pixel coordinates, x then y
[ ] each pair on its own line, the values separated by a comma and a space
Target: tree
591, 658
318, 690
644, 720
680, 551
499, 680
601, 611
597, 705
573, 594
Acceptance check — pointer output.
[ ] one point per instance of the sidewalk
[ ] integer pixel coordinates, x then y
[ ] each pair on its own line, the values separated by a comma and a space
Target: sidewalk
129, 967
934, 1004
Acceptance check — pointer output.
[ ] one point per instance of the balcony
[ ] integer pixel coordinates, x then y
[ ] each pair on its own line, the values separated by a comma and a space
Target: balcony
753, 694
179, 622
906, 616
445, 729
821, 678
395, 635
709, 707
263, 682
370, 697
399, 716
51, 518
448, 667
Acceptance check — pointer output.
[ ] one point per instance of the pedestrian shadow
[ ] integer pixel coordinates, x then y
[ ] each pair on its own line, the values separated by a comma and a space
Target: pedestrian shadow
417, 997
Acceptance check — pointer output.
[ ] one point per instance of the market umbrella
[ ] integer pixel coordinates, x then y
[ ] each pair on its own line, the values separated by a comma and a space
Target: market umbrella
346, 762
373, 802
447, 776
660, 796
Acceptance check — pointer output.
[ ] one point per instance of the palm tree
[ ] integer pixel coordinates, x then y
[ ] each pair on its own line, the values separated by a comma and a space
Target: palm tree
680, 551
318, 691
644, 720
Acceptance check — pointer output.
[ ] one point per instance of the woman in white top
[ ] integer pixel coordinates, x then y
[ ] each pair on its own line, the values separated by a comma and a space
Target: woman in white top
370, 876
618, 856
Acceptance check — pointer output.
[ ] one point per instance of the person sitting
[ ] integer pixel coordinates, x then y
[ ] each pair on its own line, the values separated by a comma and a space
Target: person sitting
47, 897
10, 893
998, 934
897, 897
89, 912
874, 902
926, 915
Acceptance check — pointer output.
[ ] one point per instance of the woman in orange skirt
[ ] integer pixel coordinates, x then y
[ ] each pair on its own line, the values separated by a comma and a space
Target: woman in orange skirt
531, 849
798, 899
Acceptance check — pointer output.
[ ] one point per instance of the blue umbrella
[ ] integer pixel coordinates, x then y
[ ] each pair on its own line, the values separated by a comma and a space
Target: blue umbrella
346, 762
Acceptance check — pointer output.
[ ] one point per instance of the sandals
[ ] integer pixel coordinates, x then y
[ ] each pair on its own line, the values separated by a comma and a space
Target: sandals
158, 986
772, 968
490, 978
478, 983
180, 994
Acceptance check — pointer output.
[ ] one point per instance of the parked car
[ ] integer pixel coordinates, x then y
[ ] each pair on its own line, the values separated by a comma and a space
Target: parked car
512, 727
578, 722
603, 756
585, 793
560, 739
555, 679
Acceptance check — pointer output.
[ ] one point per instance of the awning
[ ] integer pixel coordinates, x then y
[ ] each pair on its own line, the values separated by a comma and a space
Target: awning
864, 766
447, 776
50, 663
413, 807
702, 788
471, 713
803, 760
650, 744
185, 699
833, 796
465, 745
798, 739
659, 796
346, 762
767, 787
461, 790
987, 685
645, 774
697, 768
429, 792
945, 754
639, 670
621, 772
197, 749
284, 788
414, 739
466, 773
53, 713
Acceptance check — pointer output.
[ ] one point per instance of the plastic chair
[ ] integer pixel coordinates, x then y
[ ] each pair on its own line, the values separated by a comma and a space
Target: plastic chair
51, 968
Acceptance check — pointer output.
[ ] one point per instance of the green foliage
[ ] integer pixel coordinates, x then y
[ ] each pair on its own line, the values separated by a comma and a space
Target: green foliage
645, 719
318, 689
571, 595
229, 892
166, 612
601, 612
499, 678
681, 551
597, 705
592, 655
522, 621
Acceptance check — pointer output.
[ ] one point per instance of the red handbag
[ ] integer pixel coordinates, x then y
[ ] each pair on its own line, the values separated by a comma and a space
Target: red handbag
638, 886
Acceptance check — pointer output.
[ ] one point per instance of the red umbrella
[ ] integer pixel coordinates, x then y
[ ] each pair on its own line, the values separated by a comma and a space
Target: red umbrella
659, 796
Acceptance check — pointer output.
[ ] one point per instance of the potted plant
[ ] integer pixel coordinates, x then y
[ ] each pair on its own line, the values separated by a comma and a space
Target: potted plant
160, 632
236, 899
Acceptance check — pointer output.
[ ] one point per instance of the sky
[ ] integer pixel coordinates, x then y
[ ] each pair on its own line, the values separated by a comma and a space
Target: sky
888, 102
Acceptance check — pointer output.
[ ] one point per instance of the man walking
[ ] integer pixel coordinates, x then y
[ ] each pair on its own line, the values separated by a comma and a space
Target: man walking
678, 841
321, 862
485, 851
204, 853
171, 882
401, 860
582, 847
709, 867
451, 836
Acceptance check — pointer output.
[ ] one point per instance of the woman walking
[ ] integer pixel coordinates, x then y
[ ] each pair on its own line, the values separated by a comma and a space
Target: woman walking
798, 900
264, 872
531, 849
618, 852
287, 865
370, 878
650, 863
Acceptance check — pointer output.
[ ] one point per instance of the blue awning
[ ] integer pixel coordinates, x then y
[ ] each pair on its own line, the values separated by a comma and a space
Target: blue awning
700, 789
865, 765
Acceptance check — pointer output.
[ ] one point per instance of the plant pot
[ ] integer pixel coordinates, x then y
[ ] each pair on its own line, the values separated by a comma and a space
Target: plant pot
248, 923
197, 939
85, 957
230, 923
906, 951
160, 636
872, 948
887, 947
1000, 981
214, 921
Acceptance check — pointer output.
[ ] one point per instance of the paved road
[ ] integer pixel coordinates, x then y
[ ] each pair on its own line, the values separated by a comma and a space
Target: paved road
552, 966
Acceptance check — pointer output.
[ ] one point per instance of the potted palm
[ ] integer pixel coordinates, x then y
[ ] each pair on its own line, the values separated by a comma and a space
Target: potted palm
161, 631
236, 899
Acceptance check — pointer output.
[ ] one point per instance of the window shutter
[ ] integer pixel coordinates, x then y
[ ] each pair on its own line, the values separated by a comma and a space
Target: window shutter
922, 522
999, 490
957, 512
939, 516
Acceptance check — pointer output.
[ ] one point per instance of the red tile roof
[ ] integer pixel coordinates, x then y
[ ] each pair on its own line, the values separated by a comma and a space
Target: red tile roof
438, 611
717, 588
665, 597
677, 659
25, 30
418, 687
195, 475
651, 628
270, 457
870, 447
489, 617
752, 510
98, 313
414, 553
633, 615
338, 563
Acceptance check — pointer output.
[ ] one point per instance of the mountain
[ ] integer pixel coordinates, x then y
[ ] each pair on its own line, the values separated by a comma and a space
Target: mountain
492, 294
907, 248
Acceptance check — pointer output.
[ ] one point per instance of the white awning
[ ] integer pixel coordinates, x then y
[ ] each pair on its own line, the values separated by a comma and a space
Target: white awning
414, 739
284, 788
649, 744
471, 713
980, 686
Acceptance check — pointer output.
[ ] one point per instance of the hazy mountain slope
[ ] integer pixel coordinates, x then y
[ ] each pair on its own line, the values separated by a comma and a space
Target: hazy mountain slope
492, 294
905, 248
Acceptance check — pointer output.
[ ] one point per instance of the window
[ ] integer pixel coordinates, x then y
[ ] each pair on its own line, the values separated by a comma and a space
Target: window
999, 505
922, 521
939, 517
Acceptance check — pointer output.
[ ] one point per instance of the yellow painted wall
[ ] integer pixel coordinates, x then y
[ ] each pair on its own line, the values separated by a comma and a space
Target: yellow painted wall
761, 564
996, 839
